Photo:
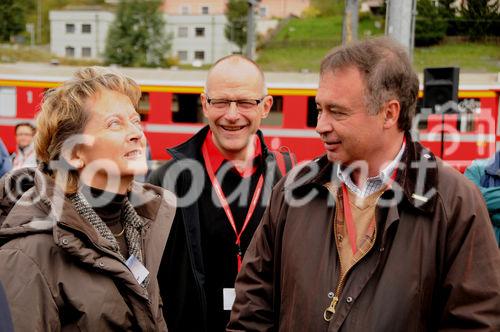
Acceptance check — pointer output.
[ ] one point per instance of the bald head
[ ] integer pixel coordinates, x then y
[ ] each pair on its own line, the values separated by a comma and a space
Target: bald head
233, 66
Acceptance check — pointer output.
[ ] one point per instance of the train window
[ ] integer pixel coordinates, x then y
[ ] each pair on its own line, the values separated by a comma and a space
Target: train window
8, 102
186, 108
144, 107
275, 117
312, 112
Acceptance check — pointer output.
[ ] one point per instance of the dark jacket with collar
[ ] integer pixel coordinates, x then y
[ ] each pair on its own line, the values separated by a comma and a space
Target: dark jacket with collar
60, 274
182, 274
434, 264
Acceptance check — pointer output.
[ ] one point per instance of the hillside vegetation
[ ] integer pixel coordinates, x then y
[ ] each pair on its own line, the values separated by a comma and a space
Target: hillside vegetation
301, 43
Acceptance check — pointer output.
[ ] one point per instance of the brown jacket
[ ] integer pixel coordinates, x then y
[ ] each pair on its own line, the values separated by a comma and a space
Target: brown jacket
434, 265
59, 274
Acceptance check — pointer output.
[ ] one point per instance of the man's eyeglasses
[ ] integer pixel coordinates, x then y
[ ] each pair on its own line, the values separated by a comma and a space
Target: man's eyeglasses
241, 104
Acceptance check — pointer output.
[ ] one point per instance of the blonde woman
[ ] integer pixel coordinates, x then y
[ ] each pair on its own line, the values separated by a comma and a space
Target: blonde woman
81, 248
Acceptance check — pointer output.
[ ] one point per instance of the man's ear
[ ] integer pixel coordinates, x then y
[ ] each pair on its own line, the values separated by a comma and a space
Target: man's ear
203, 98
391, 110
267, 103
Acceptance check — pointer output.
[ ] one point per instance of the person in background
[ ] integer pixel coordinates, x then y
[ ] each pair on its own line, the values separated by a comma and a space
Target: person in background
25, 155
485, 173
210, 234
5, 163
80, 250
377, 234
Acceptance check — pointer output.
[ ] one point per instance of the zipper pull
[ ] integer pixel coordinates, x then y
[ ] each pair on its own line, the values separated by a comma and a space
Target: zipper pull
328, 314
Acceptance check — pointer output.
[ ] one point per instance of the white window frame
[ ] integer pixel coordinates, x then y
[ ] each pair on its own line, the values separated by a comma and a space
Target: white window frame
185, 31
262, 11
90, 28
203, 35
66, 51
90, 52
67, 25
199, 51
181, 58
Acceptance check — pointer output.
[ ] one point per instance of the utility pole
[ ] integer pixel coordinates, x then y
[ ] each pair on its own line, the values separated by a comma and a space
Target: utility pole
39, 21
30, 27
400, 22
252, 5
350, 24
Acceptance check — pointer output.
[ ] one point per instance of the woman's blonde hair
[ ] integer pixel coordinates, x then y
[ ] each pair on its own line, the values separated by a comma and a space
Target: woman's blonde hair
64, 113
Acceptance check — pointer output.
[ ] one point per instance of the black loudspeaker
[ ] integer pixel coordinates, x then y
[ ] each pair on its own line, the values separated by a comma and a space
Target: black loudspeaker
440, 86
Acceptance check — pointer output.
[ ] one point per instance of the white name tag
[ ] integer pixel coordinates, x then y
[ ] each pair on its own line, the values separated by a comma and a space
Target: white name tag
229, 295
138, 270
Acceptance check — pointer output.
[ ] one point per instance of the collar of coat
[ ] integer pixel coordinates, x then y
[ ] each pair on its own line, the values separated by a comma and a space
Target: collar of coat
417, 179
35, 209
192, 147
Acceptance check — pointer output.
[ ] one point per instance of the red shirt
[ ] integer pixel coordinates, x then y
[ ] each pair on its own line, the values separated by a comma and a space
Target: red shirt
217, 158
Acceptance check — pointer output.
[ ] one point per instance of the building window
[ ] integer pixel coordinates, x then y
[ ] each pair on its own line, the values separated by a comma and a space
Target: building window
86, 52
185, 10
263, 11
70, 51
86, 28
182, 32
182, 55
199, 55
199, 32
204, 10
70, 28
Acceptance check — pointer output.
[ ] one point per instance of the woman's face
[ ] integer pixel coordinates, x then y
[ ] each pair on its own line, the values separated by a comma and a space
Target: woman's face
119, 144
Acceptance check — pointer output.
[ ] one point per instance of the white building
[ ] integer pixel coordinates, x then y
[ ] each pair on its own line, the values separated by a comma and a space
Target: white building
79, 32
198, 38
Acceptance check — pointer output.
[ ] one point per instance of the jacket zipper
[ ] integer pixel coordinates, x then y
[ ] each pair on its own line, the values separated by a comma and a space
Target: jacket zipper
330, 310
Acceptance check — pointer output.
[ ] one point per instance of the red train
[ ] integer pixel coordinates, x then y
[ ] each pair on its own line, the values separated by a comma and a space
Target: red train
171, 111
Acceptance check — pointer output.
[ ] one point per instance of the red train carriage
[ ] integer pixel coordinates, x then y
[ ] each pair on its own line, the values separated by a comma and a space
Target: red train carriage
171, 111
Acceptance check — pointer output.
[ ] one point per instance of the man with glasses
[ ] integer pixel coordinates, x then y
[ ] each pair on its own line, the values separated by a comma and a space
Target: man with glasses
25, 151
230, 170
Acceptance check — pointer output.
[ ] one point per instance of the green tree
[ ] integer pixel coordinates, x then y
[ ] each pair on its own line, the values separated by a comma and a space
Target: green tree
448, 12
12, 19
430, 28
236, 26
481, 18
137, 36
